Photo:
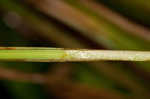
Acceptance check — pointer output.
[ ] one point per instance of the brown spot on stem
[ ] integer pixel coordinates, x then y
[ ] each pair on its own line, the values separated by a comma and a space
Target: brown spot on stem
65, 55
7, 48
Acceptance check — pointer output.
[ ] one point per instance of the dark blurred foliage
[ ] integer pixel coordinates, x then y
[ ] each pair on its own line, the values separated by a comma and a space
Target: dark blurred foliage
92, 24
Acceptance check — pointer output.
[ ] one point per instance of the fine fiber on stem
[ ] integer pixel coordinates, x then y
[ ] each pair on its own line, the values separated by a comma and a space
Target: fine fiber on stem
69, 55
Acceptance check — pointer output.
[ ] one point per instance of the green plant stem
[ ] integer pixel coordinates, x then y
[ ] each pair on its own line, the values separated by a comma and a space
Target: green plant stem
48, 29
69, 55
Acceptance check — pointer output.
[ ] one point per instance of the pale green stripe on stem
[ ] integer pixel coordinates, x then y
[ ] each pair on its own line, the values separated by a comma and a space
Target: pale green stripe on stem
68, 55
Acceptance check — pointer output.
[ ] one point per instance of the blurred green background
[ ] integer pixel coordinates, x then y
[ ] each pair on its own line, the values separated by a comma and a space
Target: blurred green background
89, 24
